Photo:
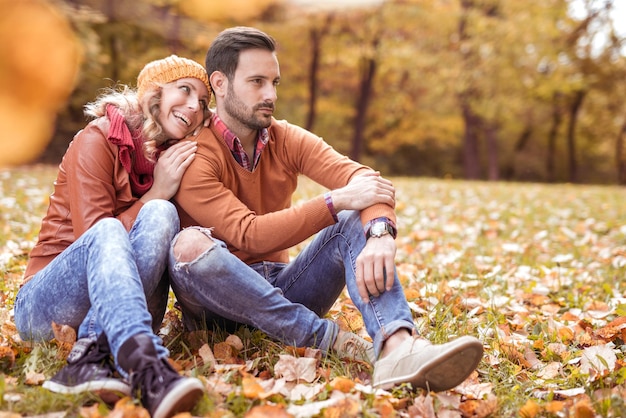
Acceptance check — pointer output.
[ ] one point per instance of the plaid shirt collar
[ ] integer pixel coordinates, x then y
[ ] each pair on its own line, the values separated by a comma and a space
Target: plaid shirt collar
235, 147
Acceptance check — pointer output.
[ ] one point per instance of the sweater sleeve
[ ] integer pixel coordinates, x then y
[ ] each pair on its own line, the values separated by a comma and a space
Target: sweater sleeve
319, 161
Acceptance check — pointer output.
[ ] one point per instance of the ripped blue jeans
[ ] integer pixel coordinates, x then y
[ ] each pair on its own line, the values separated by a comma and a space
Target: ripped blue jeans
107, 280
287, 301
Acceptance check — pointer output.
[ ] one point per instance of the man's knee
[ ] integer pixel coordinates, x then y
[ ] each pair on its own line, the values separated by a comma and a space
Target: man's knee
190, 244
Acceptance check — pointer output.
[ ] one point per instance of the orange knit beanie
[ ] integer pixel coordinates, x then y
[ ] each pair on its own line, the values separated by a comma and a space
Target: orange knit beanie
169, 69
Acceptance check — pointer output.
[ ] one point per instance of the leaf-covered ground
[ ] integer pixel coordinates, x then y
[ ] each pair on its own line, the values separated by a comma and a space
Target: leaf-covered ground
535, 271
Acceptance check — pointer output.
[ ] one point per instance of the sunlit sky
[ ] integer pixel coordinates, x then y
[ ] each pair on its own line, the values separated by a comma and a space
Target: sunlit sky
619, 8
330, 4
618, 13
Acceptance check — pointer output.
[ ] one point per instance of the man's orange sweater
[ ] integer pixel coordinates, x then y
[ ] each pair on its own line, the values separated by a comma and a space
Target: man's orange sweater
252, 211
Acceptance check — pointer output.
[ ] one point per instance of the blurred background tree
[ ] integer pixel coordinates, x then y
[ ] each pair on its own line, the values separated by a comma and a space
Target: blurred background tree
521, 90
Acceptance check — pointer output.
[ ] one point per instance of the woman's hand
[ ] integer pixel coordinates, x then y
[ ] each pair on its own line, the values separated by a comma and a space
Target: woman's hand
169, 170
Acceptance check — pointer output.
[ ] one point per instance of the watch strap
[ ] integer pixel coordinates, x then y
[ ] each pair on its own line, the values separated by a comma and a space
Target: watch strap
393, 231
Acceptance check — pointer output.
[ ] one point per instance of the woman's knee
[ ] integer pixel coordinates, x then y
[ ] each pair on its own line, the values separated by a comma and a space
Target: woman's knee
159, 210
107, 228
190, 243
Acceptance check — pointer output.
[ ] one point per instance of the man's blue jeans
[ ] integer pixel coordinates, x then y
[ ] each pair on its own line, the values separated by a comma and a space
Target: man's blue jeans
107, 280
288, 301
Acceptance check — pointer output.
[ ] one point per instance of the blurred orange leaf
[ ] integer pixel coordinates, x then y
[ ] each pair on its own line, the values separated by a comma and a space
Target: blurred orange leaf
342, 384
268, 411
251, 388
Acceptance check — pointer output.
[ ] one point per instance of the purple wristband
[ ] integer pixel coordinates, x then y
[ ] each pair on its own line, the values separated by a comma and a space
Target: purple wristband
329, 202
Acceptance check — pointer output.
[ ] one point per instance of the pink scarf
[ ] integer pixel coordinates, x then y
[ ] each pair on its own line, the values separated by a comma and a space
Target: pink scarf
139, 168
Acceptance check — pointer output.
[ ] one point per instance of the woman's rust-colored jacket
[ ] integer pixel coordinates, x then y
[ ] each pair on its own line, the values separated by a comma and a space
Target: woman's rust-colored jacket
91, 184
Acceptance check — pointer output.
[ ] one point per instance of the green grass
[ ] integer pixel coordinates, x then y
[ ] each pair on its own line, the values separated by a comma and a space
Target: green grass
535, 271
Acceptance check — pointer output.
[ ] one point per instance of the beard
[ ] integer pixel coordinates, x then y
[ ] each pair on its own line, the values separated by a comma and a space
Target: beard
243, 114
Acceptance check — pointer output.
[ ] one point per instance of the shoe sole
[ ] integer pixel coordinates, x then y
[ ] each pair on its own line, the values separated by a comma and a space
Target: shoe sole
111, 385
445, 371
109, 391
182, 398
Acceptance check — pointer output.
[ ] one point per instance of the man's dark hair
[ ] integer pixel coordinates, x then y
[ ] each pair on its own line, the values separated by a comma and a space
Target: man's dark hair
223, 54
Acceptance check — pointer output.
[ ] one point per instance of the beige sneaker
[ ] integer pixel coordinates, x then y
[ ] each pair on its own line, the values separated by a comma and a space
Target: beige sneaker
351, 346
429, 366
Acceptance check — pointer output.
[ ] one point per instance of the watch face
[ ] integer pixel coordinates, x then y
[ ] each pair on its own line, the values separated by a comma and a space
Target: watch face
378, 229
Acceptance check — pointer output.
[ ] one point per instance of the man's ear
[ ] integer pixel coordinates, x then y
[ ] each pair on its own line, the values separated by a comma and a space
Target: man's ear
219, 83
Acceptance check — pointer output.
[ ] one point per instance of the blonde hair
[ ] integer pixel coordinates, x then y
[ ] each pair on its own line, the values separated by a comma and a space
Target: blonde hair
150, 81
126, 100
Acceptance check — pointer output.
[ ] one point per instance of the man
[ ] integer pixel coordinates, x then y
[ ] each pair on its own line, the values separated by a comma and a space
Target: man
233, 264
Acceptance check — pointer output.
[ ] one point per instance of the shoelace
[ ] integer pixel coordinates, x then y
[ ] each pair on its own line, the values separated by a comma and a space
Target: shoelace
95, 354
153, 380
356, 348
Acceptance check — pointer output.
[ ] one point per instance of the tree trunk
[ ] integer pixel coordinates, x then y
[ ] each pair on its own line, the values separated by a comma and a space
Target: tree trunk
520, 144
620, 155
557, 118
491, 136
571, 135
316, 36
368, 71
471, 162
173, 35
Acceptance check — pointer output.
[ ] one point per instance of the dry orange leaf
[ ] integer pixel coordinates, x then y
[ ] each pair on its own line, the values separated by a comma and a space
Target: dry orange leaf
224, 352
345, 408
251, 388
480, 408
554, 406
34, 378
92, 411
566, 334
268, 411
384, 407
296, 351
530, 409
614, 329
64, 333
7, 358
515, 355
597, 306
350, 320
583, 409
125, 408
569, 316
342, 384
411, 294
65, 337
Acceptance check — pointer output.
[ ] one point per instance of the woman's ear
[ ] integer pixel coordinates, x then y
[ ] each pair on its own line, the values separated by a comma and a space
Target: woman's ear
150, 98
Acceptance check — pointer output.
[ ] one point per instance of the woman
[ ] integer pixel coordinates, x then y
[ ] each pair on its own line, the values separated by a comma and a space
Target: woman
100, 259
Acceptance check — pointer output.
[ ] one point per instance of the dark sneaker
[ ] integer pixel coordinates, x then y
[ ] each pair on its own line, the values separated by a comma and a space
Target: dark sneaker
162, 391
351, 346
435, 367
89, 369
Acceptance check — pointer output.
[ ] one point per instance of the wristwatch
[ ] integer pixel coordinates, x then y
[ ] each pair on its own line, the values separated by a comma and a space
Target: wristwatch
380, 228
